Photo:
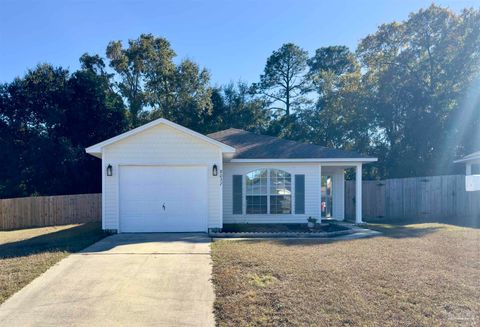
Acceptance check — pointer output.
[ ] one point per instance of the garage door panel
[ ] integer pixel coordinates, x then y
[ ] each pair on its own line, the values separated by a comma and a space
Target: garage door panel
163, 199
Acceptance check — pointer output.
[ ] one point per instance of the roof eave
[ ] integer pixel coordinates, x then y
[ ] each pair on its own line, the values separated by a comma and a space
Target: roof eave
94, 152
472, 160
318, 160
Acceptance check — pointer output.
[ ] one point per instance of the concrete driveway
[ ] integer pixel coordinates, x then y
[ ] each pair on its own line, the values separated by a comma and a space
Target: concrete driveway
123, 280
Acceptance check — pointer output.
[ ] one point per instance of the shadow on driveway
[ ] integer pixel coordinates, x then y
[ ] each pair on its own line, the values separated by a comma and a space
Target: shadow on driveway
152, 243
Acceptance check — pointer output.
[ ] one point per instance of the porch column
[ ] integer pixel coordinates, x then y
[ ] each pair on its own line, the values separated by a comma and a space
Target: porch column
319, 188
469, 169
358, 194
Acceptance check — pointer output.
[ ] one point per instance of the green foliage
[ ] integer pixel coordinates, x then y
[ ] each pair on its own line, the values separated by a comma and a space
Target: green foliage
408, 95
233, 106
47, 119
283, 81
130, 65
338, 119
417, 74
186, 99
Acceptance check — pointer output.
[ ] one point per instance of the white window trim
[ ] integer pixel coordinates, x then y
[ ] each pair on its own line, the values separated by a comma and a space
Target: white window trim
292, 188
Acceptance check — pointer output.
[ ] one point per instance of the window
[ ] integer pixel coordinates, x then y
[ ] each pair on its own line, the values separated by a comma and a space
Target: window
256, 191
268, 191
280, 192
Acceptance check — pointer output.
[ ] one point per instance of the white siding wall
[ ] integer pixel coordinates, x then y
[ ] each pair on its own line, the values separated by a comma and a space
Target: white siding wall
312, 172
161, 145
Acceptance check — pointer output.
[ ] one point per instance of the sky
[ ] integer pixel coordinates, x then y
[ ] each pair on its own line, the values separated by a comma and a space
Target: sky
232, 39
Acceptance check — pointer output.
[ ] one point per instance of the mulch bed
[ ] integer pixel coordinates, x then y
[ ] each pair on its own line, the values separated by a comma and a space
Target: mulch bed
281, 228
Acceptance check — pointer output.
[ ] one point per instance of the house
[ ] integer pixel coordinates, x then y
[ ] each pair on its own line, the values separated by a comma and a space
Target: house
163, 177
472, 180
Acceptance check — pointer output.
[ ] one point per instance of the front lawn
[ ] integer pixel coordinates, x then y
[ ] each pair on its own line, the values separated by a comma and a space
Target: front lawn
27, 253
417, 275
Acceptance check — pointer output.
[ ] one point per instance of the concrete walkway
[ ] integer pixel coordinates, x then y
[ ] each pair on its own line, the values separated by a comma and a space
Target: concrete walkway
123, 280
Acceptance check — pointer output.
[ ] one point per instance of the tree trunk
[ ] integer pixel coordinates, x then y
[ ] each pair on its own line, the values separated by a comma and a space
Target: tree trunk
287, 104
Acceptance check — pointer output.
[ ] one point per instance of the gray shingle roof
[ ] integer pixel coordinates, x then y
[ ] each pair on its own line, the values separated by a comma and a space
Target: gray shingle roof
254, 146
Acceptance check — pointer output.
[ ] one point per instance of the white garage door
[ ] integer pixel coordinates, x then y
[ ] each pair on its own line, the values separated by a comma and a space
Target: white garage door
163, 199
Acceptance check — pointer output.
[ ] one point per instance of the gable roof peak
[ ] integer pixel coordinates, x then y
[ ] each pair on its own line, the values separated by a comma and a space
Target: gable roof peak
96, 149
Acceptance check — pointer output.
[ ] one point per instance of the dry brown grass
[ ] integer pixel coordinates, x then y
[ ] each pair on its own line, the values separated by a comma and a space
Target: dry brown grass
418, 275
27, 253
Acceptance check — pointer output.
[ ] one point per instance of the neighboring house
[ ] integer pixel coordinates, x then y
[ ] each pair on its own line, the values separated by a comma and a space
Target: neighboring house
163, 177
472, 180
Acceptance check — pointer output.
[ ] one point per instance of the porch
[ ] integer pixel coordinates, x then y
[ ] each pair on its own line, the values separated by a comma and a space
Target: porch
332, 204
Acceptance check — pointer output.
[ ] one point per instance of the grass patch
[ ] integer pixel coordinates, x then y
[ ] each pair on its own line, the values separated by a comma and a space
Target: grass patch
262, 280
415, 275
298, 228
27, 253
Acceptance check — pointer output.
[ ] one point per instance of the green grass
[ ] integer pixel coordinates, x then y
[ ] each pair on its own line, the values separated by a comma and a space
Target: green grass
239, 228
412, 275
27, 253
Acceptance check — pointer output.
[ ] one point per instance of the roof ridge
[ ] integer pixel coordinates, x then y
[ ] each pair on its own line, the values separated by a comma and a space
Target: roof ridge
286, 140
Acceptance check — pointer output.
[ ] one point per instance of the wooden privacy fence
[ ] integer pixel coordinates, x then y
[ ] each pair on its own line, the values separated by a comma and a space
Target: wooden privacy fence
49, 210
436, 198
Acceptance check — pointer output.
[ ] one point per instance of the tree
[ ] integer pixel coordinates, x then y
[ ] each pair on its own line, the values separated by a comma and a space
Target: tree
145, 56
148, 78
417, 73
233, 106
188, 98
338, 118
283, 81
93, 114
47, 118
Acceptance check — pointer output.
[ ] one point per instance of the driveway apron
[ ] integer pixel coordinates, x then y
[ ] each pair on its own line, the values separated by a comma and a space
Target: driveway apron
122, 280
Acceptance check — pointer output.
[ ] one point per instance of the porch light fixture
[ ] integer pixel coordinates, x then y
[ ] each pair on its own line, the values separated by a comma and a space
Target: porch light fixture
215, 170
109, 170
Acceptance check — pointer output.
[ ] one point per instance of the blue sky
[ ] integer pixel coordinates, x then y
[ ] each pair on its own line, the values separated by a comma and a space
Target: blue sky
232, 39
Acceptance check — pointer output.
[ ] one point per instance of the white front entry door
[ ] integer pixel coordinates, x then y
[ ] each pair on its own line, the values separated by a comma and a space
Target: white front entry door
163, 199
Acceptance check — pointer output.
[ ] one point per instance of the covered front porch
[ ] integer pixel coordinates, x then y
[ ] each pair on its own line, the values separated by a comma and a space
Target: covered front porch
332, 204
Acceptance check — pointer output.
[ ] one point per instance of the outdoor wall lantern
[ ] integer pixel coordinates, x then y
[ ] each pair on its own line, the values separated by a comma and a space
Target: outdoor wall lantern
215, 170
109, 170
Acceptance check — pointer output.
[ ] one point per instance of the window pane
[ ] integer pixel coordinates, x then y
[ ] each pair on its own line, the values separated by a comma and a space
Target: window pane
280, 204
256, 182
256, 204
280, 182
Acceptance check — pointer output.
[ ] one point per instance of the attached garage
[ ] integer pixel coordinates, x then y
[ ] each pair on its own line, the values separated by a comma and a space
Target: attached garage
163, 199
161, 177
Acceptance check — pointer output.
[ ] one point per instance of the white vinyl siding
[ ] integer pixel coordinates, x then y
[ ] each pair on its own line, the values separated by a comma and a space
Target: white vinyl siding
312, 172
158, 146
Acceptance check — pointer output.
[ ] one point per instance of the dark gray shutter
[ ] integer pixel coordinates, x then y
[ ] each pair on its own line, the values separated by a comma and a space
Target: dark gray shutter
299, 194
237, 195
